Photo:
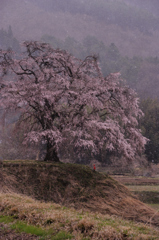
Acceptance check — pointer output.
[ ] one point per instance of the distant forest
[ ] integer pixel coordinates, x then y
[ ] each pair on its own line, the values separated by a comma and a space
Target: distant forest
8, 41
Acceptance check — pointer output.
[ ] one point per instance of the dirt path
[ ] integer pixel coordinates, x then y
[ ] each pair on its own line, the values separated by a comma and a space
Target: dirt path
7, 234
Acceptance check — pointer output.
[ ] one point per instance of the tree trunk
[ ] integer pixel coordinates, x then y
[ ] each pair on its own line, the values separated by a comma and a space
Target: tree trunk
51, 154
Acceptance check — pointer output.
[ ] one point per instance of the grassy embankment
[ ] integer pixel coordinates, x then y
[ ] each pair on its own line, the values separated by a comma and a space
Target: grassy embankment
90, 205
53, 221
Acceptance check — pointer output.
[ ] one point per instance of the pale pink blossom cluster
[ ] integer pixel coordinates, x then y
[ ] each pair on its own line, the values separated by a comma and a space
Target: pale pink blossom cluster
61, 96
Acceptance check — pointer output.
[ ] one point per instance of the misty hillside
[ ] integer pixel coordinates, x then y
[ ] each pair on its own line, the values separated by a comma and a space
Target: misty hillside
134, 30
148, 5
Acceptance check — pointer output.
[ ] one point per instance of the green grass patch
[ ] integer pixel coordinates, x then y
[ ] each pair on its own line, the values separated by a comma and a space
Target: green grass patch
144, 230
62, 236
145, 188
20, 226
23, 227
6, 219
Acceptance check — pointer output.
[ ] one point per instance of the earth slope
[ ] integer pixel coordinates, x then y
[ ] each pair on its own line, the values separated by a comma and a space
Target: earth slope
74, 186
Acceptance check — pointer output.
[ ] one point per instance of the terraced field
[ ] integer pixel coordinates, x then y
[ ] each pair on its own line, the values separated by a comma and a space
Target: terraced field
146, 189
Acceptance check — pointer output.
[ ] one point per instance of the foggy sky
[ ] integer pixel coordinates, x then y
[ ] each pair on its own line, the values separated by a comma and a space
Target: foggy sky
31, 19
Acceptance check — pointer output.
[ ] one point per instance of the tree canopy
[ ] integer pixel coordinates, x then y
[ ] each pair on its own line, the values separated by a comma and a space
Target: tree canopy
64, 98
150, 128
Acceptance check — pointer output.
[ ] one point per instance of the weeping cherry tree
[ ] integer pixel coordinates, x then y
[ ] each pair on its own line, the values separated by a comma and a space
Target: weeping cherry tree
63, 97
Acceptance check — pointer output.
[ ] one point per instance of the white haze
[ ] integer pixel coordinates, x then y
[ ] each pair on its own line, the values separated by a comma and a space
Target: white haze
31, 19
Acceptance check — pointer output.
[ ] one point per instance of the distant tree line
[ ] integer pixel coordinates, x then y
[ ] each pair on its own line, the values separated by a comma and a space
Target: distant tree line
8, 41
150, 128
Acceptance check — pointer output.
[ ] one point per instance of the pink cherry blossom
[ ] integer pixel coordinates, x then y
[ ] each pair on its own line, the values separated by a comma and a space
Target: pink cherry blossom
62, 96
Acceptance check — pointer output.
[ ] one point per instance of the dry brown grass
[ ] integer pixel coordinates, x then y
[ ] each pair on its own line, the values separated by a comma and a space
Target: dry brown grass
75, 186
80, 224
7, 182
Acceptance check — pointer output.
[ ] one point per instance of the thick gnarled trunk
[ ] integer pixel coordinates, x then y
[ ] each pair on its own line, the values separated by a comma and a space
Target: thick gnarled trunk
51, 154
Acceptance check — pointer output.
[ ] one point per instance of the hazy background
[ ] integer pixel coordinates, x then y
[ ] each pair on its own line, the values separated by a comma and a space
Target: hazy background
123, 33
133, 25
130, 28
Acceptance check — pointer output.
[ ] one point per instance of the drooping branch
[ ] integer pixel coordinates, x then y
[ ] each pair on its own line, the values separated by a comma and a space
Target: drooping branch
66, 97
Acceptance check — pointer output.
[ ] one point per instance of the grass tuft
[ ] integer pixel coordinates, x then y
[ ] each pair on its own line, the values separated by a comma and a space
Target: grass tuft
6, 219
23, 227
62, 236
